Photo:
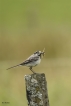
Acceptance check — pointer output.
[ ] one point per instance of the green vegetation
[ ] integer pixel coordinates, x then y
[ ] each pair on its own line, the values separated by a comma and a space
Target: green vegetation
27, 26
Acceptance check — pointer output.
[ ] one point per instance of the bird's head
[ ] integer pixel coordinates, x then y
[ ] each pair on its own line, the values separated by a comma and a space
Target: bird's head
40, 53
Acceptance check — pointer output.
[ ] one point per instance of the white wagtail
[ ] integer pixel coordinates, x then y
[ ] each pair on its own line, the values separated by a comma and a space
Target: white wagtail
32, 61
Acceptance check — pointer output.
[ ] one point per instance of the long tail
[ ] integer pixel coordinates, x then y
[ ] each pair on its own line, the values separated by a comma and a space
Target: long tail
13, 66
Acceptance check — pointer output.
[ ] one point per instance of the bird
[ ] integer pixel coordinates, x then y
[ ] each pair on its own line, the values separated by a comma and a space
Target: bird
32, 61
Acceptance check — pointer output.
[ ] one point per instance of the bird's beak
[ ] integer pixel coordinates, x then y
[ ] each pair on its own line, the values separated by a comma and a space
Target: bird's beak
43, 53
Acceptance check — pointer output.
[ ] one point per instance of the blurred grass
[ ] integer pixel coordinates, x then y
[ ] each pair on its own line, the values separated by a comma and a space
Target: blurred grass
57, 44
34, 25
27, 26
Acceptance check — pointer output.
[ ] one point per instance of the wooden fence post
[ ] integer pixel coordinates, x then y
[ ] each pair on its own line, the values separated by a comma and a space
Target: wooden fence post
36, 90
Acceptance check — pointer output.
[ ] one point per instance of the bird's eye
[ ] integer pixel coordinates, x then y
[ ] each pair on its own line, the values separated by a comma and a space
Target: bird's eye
36, 52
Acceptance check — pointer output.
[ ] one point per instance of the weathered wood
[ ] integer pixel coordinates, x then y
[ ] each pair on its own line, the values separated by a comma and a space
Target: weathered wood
36, 90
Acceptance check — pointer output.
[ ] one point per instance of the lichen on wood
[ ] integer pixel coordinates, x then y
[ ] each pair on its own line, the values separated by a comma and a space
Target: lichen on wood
36, 90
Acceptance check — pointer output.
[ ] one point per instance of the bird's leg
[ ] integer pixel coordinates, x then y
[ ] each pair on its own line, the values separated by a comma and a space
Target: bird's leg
32, 70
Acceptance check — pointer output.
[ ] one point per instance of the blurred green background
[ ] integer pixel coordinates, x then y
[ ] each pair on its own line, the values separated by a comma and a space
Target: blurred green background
27, 26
